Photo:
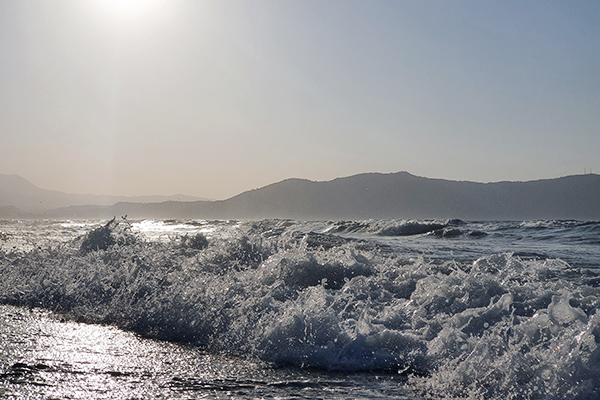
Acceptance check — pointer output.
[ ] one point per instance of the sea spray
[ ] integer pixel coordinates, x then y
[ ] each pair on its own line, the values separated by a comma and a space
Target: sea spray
500, 326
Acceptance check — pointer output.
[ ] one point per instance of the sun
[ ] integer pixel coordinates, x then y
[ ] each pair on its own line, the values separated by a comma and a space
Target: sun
128, 11
129, 8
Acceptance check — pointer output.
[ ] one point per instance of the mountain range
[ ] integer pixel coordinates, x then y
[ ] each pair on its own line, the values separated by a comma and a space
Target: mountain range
23, 197
363, 196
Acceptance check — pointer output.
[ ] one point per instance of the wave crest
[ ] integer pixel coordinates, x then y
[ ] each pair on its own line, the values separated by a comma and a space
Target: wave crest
500, 327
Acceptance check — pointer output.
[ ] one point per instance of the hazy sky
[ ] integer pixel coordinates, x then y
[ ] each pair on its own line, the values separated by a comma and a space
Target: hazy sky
211, 98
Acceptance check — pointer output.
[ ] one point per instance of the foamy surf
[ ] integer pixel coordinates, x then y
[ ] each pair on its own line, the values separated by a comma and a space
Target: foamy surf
450, 316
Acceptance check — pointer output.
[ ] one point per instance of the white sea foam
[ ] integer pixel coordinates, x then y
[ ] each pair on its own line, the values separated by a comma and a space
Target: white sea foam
497, 327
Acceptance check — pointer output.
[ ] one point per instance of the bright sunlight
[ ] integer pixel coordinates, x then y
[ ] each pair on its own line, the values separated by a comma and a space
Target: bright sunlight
130, 11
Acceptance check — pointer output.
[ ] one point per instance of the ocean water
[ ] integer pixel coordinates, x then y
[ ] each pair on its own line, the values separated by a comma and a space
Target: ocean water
377, 309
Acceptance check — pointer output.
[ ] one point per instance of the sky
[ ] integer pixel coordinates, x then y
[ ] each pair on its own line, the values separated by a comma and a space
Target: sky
213, 98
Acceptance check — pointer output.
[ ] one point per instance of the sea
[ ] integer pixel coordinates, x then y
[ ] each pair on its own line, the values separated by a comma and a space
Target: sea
285, 309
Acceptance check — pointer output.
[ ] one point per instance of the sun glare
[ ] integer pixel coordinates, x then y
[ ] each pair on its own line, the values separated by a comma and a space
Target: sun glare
129, 11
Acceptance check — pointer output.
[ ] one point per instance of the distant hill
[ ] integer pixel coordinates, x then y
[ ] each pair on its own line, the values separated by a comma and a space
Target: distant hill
374, 195
19, 192
12, 212
402, 195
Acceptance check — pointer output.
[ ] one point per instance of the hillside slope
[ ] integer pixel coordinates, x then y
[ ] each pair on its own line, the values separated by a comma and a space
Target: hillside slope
398, 195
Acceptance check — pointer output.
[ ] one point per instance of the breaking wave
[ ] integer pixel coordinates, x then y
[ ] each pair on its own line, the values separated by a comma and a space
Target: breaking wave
499, 327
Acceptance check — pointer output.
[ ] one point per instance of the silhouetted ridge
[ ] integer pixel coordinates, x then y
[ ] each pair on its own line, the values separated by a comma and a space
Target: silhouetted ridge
376, 195
402, 195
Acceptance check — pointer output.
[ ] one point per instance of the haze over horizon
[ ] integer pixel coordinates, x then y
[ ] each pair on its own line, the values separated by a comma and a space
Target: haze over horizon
213, 98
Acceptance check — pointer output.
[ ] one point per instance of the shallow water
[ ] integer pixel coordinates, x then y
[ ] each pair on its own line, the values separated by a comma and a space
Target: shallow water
288, 309
43, 357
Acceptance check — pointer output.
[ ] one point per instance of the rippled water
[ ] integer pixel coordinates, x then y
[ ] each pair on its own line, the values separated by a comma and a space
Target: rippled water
43, 357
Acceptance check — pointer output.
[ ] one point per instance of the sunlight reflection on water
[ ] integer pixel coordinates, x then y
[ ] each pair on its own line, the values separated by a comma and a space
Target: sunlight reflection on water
162, 231
43, 357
